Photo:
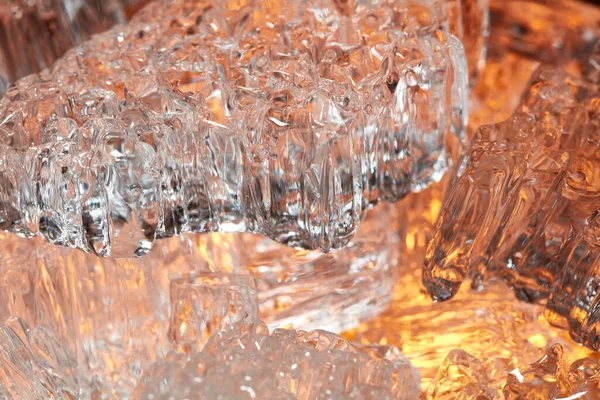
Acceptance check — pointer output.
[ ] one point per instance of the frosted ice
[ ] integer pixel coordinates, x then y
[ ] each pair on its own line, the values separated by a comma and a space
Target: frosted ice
248, 362
201, 116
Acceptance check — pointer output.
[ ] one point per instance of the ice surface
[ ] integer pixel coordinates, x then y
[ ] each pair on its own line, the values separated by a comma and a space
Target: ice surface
35, 33
32, 364
524, 202
245, 362
103, 322
333, 291
103, 333
226, 116
552, 31
490, 324
463, 376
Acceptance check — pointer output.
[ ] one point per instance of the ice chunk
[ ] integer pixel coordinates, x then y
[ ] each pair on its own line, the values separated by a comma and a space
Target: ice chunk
487, 322
289, 121
204, 304
248, 362
98, 327
463, 376
547, 378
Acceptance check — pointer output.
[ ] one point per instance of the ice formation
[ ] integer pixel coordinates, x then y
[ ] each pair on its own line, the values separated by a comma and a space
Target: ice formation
36, 32
463, 376
210, 343
253, 116
523, 205
248, 362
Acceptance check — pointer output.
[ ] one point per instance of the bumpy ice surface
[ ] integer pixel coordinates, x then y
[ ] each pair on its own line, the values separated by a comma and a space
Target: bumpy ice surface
258, 116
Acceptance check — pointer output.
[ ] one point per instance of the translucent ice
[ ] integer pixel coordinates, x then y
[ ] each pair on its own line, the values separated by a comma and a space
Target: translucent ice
524, 203
118, 332
248, 362
100, 323
463, 376
547, 378
200, 116
32, 364
490, 324
35, 33
553, 31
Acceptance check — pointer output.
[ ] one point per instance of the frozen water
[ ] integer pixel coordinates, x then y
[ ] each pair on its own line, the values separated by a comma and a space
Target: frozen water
199, 116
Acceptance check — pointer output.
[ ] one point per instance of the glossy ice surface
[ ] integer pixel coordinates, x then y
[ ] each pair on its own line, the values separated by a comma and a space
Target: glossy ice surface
105, 319
176, 323
490, 324
468, 346
523, 205
463, 376
226, 116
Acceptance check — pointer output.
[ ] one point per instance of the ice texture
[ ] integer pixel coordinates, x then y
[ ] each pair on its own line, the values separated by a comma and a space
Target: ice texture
488, 323
199, 116
314, 290
100, 323
552, 31
113, 317
463, 376
119, 331
524, 202
35, 33
30, 364
246, 362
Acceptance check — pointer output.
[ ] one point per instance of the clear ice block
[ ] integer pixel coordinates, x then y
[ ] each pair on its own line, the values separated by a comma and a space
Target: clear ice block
225, 116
